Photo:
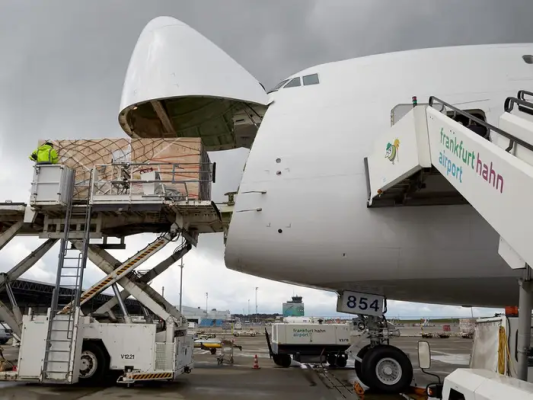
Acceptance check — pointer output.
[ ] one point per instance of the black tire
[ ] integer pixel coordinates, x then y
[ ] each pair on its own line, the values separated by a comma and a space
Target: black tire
213, 351
92, 352
358, 366
3, 341
395, 360
282, 360
332, 360
342, 360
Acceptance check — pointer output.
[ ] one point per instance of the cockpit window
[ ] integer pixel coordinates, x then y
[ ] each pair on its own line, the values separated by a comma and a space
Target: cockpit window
279, 85
294, 82
311, 80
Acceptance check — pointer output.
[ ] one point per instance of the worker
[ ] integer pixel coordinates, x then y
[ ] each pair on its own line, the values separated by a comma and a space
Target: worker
45, 154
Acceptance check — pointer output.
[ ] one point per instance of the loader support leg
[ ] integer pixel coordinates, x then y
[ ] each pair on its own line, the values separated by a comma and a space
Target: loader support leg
14, 305
14, 318
29, 261
9, 234
121, 304
525, 306
7, 316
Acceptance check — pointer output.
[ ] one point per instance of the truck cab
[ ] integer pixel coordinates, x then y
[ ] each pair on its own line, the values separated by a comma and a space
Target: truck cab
474, 383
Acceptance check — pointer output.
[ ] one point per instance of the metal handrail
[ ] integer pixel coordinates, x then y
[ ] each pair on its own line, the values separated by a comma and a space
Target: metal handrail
512, 139
523, 105
521, 94
117, 177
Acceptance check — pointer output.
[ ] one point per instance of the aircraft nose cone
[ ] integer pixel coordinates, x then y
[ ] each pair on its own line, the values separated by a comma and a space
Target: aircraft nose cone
160, 22
196, 82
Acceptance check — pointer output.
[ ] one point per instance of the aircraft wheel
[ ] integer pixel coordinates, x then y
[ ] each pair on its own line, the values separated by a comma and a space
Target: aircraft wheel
387, 369
358, 367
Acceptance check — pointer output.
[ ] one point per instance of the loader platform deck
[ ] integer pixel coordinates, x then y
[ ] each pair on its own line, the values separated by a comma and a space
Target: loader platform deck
203, 217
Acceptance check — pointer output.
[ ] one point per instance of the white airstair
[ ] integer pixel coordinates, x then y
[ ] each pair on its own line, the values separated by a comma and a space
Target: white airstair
426, 151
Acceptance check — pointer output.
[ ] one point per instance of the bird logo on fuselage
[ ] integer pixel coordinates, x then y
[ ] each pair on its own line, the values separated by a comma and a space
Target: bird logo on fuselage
392, 150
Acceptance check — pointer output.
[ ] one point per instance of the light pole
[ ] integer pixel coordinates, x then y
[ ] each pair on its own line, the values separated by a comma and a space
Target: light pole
256, 315
206, 297
248, 308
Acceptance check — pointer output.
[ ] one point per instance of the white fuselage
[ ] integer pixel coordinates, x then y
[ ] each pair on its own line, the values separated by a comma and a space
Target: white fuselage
305, 173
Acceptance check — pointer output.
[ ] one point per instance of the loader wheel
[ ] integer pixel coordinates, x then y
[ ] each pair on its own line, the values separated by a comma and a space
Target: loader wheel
332, 360
94, 363
342, 360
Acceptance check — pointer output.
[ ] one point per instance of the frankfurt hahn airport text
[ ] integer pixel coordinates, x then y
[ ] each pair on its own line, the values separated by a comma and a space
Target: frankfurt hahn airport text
467, 159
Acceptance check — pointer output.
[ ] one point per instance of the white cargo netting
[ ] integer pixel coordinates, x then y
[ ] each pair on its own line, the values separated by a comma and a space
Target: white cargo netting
181, 164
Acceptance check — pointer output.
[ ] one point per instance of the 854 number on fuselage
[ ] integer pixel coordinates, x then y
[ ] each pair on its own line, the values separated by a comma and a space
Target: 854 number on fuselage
360, 303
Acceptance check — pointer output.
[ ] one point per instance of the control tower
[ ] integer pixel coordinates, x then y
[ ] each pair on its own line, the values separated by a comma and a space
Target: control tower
294, 307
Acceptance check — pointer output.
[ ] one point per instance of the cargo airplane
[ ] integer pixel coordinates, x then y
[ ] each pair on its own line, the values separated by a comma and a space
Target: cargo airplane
301, 214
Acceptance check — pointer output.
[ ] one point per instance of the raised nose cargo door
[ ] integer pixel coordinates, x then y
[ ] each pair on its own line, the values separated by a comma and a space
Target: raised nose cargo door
180, 84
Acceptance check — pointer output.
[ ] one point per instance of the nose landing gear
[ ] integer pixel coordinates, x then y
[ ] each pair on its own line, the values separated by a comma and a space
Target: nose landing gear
380, 366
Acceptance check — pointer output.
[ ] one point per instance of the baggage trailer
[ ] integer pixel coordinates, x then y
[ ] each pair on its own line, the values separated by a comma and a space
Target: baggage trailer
314, 343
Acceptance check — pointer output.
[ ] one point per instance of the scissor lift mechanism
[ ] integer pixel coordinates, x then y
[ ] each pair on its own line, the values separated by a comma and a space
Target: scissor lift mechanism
170, 351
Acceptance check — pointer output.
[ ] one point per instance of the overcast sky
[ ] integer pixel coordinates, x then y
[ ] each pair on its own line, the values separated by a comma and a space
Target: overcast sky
62, 66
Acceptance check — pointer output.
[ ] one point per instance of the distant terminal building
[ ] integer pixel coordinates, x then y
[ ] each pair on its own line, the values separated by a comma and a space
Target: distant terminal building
197, 314
294, 307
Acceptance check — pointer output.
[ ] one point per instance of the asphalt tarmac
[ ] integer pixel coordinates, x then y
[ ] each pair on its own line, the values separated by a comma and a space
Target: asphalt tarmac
240, 381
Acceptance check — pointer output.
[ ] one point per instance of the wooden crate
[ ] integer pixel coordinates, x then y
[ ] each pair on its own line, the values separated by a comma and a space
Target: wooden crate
190, 159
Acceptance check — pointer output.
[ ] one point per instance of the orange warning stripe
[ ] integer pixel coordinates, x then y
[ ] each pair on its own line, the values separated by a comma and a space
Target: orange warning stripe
161, 375
118, 272
121, 270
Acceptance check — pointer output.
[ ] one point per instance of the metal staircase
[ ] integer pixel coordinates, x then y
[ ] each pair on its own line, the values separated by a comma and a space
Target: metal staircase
494, 174
62, 336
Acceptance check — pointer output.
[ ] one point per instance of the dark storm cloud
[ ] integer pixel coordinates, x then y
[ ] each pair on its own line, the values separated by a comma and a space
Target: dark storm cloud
63, 62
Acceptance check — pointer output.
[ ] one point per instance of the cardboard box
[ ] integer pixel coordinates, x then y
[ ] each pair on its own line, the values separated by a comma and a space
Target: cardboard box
182, 160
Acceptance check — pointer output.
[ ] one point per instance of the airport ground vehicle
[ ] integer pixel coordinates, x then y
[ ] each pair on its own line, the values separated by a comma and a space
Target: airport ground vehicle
79, 201
250, 333
64, 345
310, 342
473, 383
